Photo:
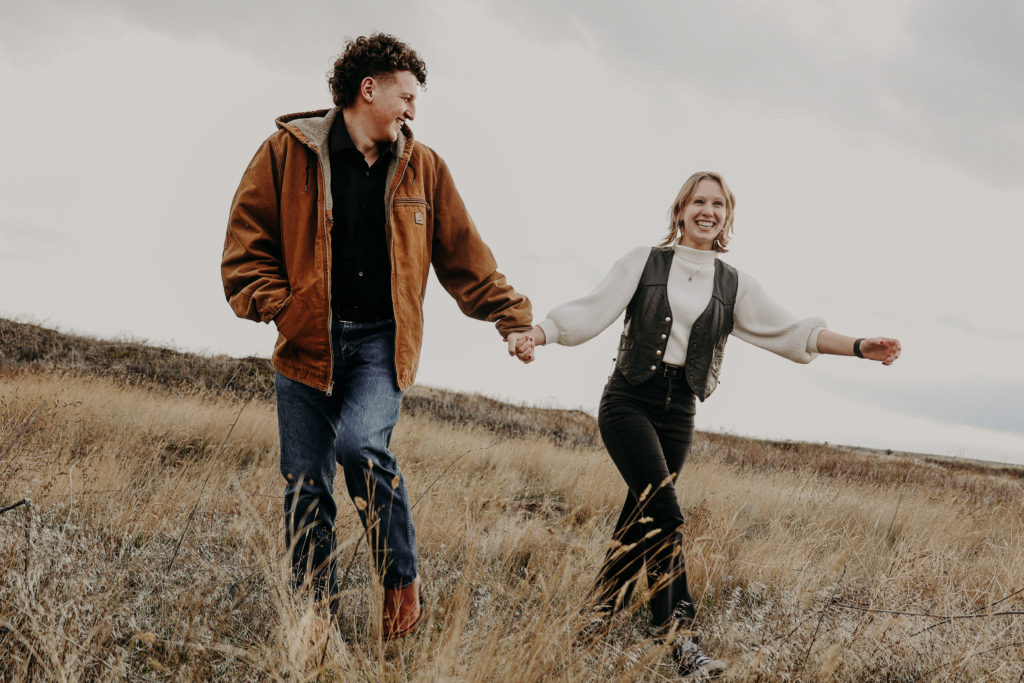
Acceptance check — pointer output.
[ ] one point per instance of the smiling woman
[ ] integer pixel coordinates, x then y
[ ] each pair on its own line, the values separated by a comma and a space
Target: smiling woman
682, 303
701, 216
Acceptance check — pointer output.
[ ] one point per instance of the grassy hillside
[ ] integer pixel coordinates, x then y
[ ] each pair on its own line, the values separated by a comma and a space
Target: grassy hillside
151, 548
25, 347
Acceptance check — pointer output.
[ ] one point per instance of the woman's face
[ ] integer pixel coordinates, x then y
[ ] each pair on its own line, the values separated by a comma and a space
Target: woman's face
703, 215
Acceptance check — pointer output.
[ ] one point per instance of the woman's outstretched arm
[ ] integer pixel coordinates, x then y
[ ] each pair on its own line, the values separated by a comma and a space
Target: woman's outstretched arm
882, 349
582, 319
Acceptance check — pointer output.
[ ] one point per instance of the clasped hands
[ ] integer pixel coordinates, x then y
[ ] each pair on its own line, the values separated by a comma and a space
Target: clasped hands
522, 344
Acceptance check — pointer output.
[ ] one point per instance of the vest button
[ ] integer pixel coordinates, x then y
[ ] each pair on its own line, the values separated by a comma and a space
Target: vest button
664, 336
658, 352
654, 367
668, 320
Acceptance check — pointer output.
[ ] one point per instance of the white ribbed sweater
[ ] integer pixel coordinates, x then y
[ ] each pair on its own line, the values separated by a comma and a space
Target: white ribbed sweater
757, 319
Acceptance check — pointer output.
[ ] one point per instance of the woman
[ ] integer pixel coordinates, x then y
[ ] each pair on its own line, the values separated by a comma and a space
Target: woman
681, 304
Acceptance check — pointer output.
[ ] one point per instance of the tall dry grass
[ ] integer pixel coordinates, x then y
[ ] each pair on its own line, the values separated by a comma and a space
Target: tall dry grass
157, 538
28, 347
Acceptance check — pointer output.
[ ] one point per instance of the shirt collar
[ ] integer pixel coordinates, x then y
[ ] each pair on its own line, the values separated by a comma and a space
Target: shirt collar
340, 139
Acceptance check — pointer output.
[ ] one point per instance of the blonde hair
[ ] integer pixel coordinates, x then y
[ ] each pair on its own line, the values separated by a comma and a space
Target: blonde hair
686, 192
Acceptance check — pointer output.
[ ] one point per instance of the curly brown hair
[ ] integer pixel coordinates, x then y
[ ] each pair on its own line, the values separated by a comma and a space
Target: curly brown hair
374, 55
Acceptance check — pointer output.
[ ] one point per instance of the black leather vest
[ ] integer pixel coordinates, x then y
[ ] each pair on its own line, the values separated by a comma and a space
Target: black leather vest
649, 321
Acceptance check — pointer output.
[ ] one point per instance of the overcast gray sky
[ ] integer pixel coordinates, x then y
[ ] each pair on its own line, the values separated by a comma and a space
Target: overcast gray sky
876, 149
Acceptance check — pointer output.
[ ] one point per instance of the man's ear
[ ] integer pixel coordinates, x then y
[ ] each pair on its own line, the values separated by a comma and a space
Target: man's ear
367, 88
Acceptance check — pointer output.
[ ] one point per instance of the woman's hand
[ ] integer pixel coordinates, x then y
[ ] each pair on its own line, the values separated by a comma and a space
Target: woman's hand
882, 349
521, 344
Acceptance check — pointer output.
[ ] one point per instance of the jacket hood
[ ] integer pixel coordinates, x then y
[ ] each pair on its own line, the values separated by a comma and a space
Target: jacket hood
312, 128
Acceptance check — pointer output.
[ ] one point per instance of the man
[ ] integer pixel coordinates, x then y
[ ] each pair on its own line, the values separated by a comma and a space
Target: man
331, 235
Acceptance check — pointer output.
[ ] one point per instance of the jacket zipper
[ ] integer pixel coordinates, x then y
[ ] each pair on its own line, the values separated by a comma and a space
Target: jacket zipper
389, 203
330, 310
327, 278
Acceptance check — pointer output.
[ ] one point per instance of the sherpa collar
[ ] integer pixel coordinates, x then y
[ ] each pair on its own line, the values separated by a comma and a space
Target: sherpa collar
314, 127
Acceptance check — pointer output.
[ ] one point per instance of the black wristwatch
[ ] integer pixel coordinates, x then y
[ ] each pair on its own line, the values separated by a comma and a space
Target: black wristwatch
856, 348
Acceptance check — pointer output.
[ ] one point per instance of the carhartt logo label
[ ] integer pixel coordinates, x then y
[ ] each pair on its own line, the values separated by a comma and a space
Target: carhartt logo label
419, 217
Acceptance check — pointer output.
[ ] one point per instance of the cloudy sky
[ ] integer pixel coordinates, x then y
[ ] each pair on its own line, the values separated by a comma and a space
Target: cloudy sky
876, 149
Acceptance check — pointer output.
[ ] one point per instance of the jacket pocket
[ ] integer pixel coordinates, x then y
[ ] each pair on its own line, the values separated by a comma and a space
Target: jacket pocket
288, 320
411, 210
411, 200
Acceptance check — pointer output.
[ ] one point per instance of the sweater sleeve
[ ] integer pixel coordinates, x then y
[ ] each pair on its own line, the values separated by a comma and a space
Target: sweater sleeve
577, 321
760, 321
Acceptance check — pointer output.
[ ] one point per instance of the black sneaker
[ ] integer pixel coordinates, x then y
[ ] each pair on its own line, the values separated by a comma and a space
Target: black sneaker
693, 664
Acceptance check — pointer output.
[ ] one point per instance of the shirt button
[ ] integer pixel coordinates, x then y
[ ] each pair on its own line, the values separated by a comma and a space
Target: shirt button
658, 352
668, 320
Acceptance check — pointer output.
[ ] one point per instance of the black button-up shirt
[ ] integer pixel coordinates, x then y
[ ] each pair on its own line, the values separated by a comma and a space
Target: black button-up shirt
361, 267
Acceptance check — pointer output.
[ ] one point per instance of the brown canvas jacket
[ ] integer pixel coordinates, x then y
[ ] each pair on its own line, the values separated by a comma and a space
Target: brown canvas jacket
277, 254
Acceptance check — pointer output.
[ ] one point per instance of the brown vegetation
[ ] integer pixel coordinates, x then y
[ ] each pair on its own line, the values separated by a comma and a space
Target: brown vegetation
154, 549
32, 347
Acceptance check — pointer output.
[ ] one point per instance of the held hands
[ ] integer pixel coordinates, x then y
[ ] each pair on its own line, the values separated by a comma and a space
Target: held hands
521, 344
882, 349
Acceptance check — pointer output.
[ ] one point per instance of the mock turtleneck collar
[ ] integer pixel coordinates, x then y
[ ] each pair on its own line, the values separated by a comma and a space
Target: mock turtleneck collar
695, 255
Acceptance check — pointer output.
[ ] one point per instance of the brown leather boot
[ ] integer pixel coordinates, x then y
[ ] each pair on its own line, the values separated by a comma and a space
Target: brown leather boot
403, 610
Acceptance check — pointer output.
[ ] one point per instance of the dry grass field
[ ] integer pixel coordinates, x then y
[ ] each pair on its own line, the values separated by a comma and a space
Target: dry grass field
152, 546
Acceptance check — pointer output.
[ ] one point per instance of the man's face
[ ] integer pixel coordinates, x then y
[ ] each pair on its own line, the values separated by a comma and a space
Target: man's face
393, 103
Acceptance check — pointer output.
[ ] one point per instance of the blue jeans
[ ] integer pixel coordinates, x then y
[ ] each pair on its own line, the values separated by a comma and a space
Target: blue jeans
352, 428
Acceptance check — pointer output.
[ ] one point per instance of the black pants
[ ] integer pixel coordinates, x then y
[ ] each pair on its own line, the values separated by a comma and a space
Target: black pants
648, 430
